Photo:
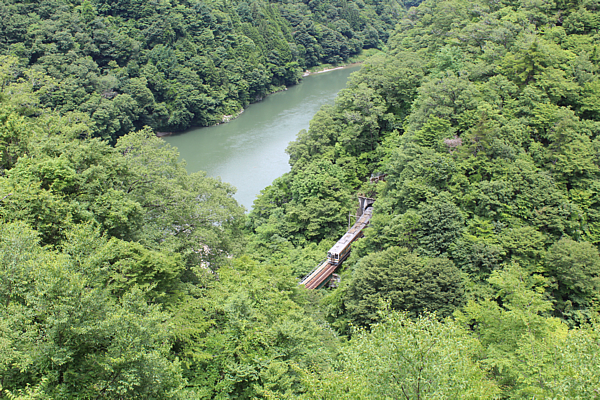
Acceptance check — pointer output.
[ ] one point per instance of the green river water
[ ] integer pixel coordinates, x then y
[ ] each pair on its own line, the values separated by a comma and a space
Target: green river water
249, 152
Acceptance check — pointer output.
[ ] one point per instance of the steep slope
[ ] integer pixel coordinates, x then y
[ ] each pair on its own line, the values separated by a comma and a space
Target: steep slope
485, 117
176, 64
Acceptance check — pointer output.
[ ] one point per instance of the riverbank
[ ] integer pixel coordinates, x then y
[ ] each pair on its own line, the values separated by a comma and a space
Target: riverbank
308, 72
249, 152
352, 61
319, 69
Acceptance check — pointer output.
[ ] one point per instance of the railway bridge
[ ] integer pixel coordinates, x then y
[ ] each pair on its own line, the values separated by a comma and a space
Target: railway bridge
321, 275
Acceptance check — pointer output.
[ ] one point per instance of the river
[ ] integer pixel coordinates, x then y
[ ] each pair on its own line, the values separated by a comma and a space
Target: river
249, 152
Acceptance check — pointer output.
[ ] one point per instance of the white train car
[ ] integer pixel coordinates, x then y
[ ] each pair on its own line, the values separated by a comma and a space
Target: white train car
340, 251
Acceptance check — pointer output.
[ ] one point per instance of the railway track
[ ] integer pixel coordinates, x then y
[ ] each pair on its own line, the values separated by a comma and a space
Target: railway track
337, 254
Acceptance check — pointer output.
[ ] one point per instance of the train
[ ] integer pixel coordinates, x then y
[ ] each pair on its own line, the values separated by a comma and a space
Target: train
340, 251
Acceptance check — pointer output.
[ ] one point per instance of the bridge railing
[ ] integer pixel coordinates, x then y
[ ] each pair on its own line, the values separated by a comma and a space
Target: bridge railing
311, 273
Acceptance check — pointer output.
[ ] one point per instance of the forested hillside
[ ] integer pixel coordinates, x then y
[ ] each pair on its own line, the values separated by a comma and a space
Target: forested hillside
122, 276
176, 64
486, 118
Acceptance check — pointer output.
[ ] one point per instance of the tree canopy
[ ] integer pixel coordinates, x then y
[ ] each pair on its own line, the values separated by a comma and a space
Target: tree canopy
176, 64
123, 276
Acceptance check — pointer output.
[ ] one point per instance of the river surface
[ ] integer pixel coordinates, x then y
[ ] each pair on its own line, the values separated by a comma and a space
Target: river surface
249, 152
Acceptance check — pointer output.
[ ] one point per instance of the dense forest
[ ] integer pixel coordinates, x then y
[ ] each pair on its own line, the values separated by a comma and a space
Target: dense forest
176, 64
123, 276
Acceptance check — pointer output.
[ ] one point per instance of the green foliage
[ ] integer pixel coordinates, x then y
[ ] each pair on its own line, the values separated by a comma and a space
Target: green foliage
408, 282
121, 235
188, 213
408, 358
66, 336
528, 351
122, 276
173, 65
256, 336
315, 199
560, 366
484, 118
135, 191
574, 269
129, 265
